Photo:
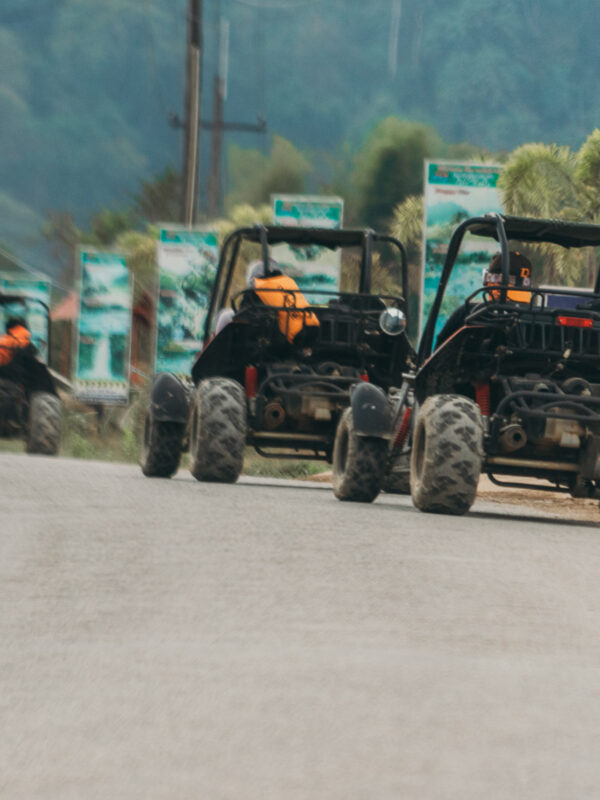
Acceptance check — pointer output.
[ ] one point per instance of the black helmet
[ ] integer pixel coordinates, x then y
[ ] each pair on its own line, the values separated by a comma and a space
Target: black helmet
519, 270
14, 322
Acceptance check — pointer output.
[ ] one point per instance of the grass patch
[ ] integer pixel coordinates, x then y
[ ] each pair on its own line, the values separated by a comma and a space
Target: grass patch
261, 467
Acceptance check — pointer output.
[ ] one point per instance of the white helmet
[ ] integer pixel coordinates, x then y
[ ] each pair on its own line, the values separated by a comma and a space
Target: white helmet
256, 269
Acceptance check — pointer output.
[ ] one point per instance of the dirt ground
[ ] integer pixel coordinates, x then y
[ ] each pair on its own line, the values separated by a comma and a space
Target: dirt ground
556, 503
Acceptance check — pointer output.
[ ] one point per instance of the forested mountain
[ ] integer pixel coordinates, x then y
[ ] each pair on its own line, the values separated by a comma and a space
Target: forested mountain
86, 87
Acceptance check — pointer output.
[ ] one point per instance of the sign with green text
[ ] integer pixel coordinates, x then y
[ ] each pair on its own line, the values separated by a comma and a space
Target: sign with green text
455, 191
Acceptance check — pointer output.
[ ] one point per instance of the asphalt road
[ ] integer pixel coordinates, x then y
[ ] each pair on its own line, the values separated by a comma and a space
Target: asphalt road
170, 639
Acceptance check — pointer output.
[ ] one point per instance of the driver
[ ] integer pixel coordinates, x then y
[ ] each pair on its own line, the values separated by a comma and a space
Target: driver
519, 276
17, 337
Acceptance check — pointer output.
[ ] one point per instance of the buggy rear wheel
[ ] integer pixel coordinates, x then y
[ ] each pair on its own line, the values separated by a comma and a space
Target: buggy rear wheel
161, 447
218, 432
358, 462
446, 455
45, 420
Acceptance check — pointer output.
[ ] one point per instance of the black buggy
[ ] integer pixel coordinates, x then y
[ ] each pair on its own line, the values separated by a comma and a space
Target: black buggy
288, 363
29, 404
515, 391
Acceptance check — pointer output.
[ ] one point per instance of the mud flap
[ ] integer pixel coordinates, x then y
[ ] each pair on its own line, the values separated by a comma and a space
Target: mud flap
169, 399
371, 411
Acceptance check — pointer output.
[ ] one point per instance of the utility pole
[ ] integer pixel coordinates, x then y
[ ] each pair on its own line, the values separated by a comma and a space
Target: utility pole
192, 123
219, 95
218, 126
193, 105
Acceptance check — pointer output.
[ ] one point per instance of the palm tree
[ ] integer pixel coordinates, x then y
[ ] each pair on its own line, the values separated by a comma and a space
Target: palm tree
407, 225
549, 181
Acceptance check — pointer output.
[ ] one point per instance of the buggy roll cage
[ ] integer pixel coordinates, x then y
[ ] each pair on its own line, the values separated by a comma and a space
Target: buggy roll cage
503, 227
266, 235
5, 299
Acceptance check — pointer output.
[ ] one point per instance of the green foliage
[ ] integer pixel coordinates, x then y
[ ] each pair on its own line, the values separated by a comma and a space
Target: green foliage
587, 176
390, 167
407, 225
106, 225
86, 88
538, 180
255, 176
140, 249
159, 199
549, 181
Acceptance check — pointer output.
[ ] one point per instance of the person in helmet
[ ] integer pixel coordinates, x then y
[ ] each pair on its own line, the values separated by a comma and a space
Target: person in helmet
17, 338
519, 277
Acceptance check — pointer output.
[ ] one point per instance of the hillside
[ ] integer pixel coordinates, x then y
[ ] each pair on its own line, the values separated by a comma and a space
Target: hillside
86, 87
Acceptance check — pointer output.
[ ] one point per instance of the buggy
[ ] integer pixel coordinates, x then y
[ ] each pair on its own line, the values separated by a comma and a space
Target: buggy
289, 363
29, 402
515, 391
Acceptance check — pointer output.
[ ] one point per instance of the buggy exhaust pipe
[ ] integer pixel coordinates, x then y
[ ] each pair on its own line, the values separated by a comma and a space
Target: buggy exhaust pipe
274, 416
512, 438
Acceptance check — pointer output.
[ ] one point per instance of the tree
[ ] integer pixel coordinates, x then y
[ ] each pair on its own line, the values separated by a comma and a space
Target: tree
407, 225
107, 225
548, 181
390, 167
64, 238
159, 199
254, 177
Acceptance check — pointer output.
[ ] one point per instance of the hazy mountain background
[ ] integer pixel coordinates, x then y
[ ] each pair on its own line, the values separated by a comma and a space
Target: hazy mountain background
87, 86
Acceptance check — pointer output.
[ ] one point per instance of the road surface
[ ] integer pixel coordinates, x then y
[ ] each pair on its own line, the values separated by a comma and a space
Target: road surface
263, 641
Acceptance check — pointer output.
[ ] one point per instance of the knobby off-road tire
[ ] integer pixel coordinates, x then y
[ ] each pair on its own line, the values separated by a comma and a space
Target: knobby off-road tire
218, 431
44, 426
446, 455
358, 462
397, 479
161, 447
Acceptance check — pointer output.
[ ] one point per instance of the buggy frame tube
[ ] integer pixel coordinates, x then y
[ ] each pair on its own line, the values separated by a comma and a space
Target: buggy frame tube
426, 345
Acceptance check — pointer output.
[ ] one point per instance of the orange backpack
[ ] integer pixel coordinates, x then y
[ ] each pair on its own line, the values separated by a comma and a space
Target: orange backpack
282, 292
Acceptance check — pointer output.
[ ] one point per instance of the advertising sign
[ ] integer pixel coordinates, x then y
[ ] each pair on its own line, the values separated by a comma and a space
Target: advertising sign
187, 262
312, 267
453, 192
103, 344
35, 314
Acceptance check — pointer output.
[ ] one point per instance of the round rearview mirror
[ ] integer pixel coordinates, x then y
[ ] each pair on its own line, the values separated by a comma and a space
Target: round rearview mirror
392, 321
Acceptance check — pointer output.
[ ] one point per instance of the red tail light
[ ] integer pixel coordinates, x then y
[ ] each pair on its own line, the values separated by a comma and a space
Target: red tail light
575, 322
251, 381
